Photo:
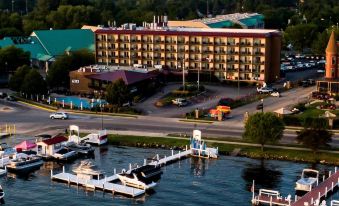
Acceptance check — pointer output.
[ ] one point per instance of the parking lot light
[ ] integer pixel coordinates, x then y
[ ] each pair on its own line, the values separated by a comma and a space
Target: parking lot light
262, 103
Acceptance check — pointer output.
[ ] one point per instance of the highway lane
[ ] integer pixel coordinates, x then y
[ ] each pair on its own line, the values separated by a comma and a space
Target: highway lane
33, 121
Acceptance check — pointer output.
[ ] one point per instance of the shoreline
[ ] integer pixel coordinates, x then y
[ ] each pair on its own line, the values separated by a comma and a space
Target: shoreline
300, 155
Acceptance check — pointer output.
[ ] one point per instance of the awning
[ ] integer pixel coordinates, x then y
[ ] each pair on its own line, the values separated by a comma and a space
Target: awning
25, 145
44, 57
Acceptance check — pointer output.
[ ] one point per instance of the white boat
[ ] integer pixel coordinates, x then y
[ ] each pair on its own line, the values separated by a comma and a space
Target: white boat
3, 172
99, 138
23, 163
2, 195
199, 147
335, 203
309, 179
88, 171
144, 177
64, 154
80, 149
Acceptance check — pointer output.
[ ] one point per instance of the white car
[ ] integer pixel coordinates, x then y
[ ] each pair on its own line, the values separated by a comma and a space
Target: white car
59, 115
275, 94
264, 90
180, 102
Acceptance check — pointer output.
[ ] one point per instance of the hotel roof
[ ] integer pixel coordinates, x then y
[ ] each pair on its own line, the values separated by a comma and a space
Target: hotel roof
128, 77
192, 31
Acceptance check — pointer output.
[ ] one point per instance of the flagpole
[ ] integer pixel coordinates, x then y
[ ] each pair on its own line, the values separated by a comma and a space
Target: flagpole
252, 188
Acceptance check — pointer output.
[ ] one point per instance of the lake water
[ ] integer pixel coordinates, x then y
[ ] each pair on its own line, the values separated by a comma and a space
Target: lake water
192, 181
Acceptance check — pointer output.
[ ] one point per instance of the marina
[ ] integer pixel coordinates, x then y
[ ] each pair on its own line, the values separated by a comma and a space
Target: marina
315, 196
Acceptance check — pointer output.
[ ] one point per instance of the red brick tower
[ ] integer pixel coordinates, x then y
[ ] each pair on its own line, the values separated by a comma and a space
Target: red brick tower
331, 59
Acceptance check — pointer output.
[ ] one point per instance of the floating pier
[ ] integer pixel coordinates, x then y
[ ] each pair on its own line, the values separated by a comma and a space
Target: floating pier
312, 198
101, 184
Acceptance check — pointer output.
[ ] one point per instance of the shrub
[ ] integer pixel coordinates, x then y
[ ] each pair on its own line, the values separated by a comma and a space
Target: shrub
292, 120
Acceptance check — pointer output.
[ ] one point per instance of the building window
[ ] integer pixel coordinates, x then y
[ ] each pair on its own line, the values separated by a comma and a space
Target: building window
334, 60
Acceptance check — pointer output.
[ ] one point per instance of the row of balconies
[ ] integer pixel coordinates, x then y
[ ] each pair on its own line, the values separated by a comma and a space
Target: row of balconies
231, 61
181, 42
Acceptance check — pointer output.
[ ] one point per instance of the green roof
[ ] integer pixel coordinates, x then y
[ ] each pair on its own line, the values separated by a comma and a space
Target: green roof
221, 24
56, 42
32, 46
253, 20
6, 42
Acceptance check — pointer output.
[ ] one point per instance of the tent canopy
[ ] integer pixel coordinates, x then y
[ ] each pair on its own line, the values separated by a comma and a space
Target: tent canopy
25, 145
283, 111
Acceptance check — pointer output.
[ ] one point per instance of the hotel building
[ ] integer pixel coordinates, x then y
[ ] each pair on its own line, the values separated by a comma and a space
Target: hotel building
251, 55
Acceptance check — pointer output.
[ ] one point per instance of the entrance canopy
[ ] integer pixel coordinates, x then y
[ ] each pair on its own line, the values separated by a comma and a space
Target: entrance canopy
25, 145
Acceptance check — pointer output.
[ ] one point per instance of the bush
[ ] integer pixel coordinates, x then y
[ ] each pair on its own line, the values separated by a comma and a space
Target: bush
315, 122
291, 120
301, 107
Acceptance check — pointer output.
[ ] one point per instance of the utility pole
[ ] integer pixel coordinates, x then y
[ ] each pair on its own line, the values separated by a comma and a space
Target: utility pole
207, 9
12, 6
183, 73
26, 8
199, 75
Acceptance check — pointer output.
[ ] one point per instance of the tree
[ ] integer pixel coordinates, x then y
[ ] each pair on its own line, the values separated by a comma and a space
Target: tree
314, 134
58, 74
18, 77
300, 36
117, 93
34, 83
264, 128
12, 57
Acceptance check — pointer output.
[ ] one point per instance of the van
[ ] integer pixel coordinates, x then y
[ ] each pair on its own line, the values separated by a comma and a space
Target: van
137, 66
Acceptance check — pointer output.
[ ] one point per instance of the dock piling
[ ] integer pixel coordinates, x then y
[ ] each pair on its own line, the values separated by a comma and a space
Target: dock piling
63, 169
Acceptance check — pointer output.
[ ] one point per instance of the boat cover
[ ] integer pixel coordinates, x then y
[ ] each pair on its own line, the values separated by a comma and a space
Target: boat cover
307, 181
25, 145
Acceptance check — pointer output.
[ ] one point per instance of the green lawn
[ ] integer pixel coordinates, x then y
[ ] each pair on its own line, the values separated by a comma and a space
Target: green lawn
224, 148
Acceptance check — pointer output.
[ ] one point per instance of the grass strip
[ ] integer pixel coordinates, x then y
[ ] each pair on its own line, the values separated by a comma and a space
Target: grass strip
291, 154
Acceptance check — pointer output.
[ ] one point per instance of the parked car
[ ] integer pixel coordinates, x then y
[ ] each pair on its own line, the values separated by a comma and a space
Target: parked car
3, 95
10, 98
59, 115
275, 94
260, 106
225, 102
180, 102
265, 90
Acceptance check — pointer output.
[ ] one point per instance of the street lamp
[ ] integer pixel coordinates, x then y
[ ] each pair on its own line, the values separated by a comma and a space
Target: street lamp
199, 75
262, 105
183, 73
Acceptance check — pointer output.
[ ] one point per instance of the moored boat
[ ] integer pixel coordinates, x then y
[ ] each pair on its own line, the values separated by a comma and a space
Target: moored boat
144, 177
2, 195
88, 171
65, 154
309, 179
80, 149
24, 163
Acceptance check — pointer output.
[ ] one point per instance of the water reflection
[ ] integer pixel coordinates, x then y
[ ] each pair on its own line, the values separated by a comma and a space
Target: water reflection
265, 176
198, 166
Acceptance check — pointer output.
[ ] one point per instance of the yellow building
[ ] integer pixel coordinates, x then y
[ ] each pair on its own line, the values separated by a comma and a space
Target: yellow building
230, 54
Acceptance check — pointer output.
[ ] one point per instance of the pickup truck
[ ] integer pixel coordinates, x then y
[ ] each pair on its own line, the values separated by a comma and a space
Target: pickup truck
180, 102
265, 90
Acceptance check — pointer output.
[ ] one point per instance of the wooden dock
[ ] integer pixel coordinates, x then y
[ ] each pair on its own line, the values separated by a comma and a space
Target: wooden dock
319, 192
102, 184
312, 198
172, 158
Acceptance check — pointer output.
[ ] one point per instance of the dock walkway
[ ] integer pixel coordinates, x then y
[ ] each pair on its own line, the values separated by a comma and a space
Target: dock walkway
312, 198
321, 191
102, 184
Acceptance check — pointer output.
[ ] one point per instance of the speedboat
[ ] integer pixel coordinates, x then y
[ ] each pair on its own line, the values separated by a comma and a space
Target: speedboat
88, 171
2, 195
99, 138
22, 162
80, 149
64, 154
144, 177
309, 179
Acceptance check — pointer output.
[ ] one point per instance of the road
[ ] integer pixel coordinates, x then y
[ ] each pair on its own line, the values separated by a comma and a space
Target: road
33, 121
